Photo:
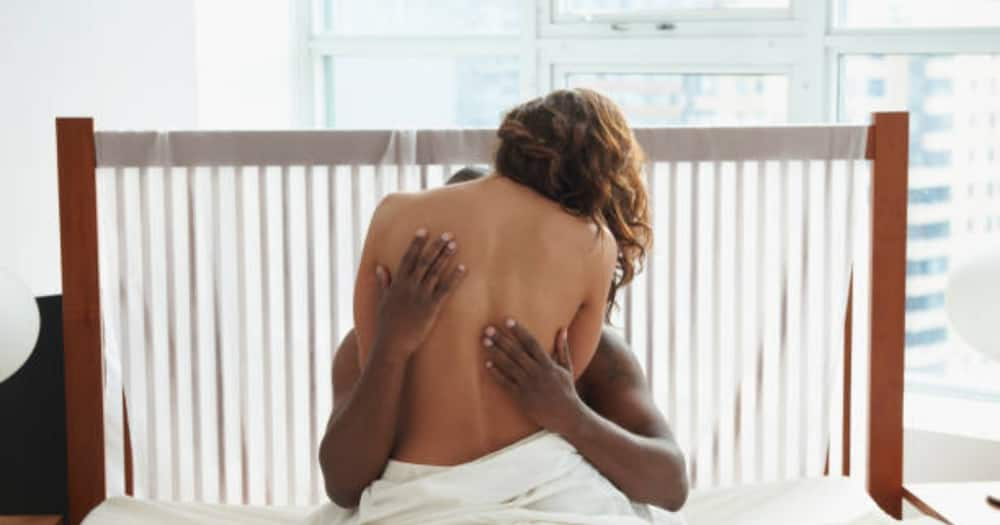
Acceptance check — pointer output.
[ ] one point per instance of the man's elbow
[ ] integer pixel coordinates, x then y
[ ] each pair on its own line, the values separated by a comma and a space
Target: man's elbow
340, 491
676, 487
675, 498
343, 497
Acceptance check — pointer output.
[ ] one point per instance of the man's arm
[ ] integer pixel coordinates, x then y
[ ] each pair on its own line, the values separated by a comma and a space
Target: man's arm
362, 427
624, 433
618, 429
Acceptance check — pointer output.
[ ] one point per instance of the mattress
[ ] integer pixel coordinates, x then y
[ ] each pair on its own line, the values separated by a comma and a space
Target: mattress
820, 501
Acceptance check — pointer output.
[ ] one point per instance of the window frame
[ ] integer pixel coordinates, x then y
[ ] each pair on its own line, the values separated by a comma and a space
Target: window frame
803, 42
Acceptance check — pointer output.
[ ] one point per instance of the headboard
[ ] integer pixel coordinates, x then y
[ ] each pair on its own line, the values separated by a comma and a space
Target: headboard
207, 277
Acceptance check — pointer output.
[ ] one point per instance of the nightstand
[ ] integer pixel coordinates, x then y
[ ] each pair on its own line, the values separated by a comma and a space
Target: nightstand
956, 503
40, 519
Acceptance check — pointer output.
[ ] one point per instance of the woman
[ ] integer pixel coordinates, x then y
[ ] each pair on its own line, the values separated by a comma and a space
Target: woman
543, 243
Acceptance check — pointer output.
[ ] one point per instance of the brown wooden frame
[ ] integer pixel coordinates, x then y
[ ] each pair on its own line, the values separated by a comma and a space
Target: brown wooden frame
887, 148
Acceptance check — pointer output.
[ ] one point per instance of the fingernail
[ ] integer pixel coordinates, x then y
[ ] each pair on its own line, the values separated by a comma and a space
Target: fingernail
422, 232
510, 323
446, 236
489, 364
487, 342
461, 267
452, 246
379, 271
490, 331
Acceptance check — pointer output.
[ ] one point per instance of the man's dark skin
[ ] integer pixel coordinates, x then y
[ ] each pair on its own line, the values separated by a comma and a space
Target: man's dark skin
608, 414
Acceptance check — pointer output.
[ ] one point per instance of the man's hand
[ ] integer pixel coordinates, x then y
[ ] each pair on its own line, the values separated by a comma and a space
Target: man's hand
541, 385
409, 304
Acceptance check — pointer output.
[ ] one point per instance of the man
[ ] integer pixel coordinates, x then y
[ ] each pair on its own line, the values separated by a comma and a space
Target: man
607, 414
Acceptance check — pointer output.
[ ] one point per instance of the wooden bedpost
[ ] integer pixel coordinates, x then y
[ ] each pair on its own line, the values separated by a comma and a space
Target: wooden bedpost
81, 316
887, 302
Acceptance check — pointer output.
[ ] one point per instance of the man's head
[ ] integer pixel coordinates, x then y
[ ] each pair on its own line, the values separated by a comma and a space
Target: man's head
466, 174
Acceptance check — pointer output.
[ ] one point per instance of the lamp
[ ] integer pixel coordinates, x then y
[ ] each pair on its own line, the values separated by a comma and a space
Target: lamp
972, 300
19, 323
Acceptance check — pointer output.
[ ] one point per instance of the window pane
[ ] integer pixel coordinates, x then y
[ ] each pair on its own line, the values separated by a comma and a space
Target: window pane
657, 99
917, 13
422, 17
418, 92
954, 105
589, 7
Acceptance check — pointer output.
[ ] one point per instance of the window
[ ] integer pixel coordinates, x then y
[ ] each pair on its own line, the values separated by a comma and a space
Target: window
463, 62
951, 102
421, 17
652, 99
639, 8
452, 91
917, 13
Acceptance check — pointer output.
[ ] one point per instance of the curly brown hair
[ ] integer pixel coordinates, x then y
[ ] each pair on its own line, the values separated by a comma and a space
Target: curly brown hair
575, 147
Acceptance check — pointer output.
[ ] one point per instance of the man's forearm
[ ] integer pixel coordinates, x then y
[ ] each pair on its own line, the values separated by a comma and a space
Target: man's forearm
360, 434
647, 470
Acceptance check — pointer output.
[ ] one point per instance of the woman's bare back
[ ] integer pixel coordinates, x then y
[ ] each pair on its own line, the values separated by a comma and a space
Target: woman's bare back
527, 259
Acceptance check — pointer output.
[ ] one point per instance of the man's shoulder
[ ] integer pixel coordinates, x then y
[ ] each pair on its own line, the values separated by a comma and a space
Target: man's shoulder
613, 366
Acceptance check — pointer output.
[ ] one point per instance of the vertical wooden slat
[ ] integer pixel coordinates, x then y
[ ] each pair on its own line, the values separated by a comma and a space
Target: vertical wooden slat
334, 244
124, 323
81, 316
672, 228
311, 315
693, 306
804, 347
782, 387
826, 298
887, 298
128, 464
152, 488
849, 314
738, 323
266, 345
759, 239
289, 347
650, 282
171, 304
217, 334
716, 298
845, 467
195, 340
241, 350
357, 232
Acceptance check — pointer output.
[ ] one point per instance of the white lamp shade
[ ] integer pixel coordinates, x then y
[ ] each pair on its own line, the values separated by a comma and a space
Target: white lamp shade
972, 300
19, 323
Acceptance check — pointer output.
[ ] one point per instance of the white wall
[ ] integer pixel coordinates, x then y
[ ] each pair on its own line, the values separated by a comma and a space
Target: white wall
151, 64
245, 57
130, 65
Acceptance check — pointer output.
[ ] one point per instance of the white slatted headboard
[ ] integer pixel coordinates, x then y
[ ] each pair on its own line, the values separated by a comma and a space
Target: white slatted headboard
226, 263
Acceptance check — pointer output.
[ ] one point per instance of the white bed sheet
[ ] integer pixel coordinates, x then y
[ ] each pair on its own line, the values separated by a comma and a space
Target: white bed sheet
820, 501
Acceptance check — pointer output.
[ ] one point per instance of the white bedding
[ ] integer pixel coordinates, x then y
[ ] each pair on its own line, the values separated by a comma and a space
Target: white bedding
540, 480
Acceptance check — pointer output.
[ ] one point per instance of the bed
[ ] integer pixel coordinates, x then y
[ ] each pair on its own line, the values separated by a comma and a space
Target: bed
206, 276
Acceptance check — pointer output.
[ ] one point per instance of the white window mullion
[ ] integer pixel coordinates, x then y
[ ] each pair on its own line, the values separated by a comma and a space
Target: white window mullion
530, 34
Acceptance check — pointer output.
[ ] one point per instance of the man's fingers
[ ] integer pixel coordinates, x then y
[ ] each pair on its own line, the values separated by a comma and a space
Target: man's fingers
408, 263
502, 360
429, 255
500, 376
440, 262
528, 341
506, 343
449, 282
